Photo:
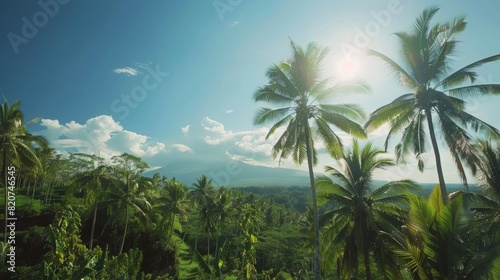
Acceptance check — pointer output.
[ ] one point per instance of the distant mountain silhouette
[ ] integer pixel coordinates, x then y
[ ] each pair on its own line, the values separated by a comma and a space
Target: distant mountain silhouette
233, 173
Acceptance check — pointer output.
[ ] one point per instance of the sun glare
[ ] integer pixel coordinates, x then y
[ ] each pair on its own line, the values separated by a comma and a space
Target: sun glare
343, 68
347, 68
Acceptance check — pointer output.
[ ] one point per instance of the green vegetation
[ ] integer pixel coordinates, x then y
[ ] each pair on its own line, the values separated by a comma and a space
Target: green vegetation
437, 99
354, 227
84, 217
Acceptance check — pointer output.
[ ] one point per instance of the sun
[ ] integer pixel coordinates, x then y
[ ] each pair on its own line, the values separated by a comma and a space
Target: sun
343, 68
348, 68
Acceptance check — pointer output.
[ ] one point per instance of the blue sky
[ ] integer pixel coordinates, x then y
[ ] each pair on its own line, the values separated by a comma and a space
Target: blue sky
173, 80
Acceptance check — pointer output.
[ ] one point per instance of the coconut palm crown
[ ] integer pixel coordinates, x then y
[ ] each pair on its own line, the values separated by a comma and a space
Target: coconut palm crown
352, 229
436, 97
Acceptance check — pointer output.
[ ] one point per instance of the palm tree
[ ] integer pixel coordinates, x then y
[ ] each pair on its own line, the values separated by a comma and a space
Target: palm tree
485, 204
16, 144
203, 190
296, 84
172, 204
361, 211
488, 169
129, 196
222, 211
91, 182
157, 181
436, 99
203, 195
55, 171
442, 241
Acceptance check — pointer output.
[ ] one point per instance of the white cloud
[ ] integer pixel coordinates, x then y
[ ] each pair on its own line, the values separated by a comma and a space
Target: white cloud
256, 143
229, 111
213, 126
219, 134
185, 129
129, 71
104, 136
234, 23
181, 148
155, 149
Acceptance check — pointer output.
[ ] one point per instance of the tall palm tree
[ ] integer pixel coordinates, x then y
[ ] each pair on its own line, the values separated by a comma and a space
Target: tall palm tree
55, 171
91, 182
172, 205
16, 144
361, 211
127, 196
436, 98
203, 195
222, 211
297, 85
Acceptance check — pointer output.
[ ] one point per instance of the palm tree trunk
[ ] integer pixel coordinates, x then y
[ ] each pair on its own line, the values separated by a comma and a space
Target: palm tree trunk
195, 248
26, 184
217, 257
125, 230
208, 249
338, 268
93, 224
216, 253
51, 191
222, 228
20, 182
46, 186
366, 255
316, 261
34, 189
439, 168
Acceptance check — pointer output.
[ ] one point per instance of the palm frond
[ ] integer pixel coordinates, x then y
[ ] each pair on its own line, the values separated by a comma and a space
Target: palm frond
343, 123
265, 115
352, 111
280, 123
400, 123
395, 188
465, 73
387, 113
270, 93
332, 141
340, 89
344, 179
475, 90
399, 74
281, 82
327, 186
413, 140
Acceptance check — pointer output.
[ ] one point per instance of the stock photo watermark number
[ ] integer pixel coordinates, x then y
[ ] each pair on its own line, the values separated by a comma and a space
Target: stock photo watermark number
11, 218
